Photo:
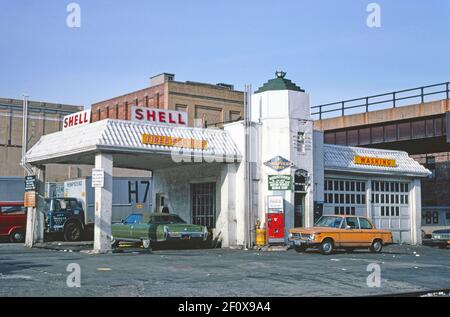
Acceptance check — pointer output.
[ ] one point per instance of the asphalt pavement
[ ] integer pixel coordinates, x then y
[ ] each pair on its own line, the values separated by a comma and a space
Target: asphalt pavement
221, 272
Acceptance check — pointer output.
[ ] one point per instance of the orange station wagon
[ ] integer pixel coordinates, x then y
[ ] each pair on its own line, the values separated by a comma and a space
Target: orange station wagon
340, 232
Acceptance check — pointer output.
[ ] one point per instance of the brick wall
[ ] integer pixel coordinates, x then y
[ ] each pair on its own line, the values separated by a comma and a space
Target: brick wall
215, 103
436, 189
120, 107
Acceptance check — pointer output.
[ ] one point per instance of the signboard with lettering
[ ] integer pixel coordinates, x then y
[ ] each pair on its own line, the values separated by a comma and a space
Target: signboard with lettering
374, 161
159, 116
275, 202
98, 177
30, 183
77, 119
280, 182
170, 141
279, 163
29, 199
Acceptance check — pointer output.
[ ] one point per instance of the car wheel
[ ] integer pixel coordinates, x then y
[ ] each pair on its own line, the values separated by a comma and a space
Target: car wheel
300, 248
147, 244
114, 243
17, 236
376, 247
327, 246
72, 232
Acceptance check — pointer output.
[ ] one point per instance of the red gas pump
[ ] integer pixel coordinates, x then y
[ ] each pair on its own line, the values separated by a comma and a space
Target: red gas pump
275, 220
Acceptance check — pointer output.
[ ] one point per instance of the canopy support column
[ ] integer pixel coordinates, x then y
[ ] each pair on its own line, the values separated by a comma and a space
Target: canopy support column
36, 215
103, 204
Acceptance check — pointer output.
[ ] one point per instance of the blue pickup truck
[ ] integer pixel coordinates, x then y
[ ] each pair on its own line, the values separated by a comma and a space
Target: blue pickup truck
66, 216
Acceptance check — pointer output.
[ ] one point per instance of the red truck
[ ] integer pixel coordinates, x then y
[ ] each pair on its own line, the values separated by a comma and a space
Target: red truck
13, 220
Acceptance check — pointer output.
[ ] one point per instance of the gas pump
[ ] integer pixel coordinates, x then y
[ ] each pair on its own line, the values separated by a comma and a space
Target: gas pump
275, 220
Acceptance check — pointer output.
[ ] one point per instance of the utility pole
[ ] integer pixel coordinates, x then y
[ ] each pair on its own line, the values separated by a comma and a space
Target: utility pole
23, 163
24, 129
248, 165
34, 222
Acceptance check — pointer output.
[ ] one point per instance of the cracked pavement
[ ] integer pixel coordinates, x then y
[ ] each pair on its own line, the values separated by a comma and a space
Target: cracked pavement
221, 272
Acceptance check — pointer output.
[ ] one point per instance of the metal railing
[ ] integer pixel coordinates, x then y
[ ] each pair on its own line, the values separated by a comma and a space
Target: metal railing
392, 97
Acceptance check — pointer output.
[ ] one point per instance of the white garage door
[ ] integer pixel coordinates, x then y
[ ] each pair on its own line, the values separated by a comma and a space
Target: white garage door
345, 197
390, 209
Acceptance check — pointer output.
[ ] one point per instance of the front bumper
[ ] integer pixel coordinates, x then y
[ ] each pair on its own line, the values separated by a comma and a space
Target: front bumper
303, 242
186, 236
441, 243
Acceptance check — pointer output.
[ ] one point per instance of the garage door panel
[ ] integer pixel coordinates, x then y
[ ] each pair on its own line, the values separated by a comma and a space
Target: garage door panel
390, 208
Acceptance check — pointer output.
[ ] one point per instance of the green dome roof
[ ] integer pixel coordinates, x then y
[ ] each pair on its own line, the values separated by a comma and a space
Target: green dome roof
279, 83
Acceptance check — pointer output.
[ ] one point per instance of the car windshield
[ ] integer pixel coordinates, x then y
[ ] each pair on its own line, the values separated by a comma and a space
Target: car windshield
329, 221
168, 219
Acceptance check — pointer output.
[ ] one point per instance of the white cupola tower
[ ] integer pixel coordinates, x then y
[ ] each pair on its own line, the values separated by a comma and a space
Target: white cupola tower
281, 110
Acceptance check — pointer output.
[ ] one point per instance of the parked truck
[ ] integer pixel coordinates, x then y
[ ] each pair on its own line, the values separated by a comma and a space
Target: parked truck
73, 215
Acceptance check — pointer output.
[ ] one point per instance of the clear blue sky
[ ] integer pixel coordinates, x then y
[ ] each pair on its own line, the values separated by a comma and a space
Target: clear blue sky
325, 46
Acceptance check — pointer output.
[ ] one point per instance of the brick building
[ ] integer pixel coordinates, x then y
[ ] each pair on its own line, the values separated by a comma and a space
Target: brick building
206, 104
43, 118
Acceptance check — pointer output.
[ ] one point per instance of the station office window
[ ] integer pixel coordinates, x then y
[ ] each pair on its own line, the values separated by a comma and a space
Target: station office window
204, 204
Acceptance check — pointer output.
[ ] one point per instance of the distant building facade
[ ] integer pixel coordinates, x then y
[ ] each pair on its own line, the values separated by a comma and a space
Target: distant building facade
43, 118
206, 104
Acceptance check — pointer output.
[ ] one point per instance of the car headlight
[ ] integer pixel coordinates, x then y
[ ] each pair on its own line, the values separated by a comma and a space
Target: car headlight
290, 235
312, 237
205, 233
166, 232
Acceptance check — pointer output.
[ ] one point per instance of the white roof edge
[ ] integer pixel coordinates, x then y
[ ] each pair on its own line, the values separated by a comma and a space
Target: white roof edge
378, 172
65, 153
124, 136
356, 148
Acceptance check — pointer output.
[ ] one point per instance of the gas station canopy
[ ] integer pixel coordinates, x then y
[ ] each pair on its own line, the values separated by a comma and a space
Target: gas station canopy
134, 145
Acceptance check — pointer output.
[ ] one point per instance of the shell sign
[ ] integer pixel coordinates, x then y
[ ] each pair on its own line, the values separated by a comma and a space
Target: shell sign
374, 161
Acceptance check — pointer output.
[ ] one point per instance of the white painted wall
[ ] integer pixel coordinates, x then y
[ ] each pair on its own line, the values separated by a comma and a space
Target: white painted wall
282, 114
416, 212
175, 184
318, 166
